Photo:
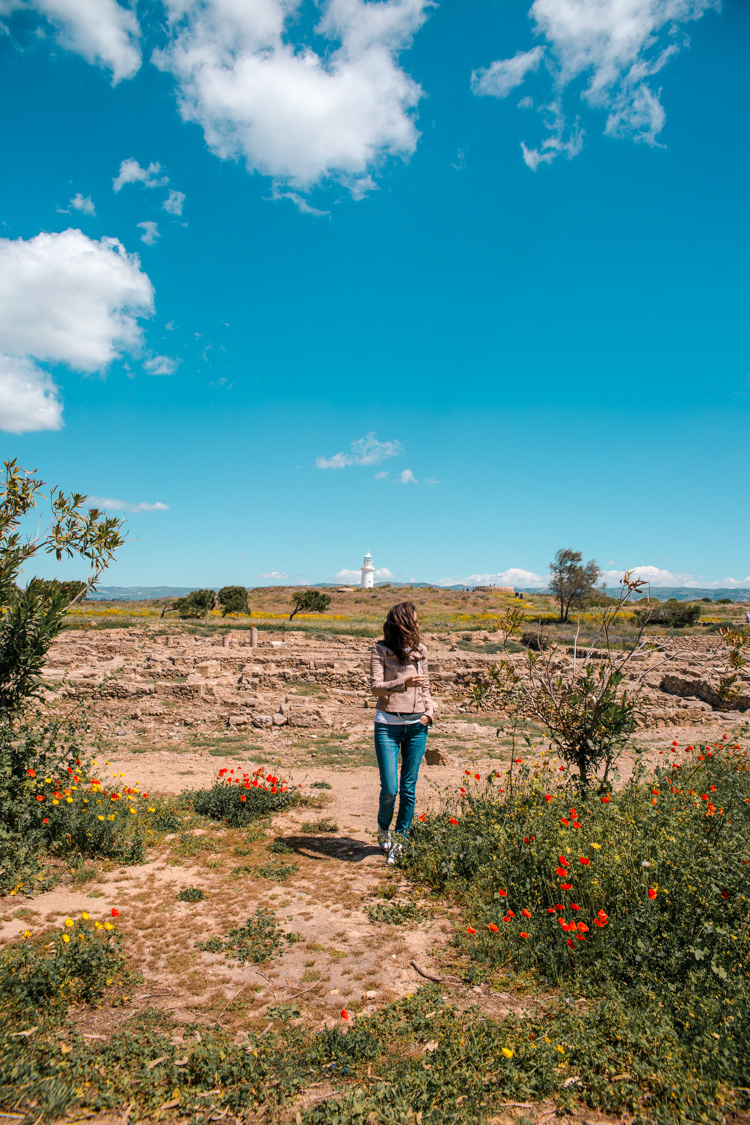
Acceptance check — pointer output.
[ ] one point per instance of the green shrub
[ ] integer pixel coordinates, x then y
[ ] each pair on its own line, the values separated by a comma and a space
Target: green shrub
237, 799
198, 603
535, 641
259, 939
313, 827
670, 614
233, 599
396, 913
190, 894
40, 978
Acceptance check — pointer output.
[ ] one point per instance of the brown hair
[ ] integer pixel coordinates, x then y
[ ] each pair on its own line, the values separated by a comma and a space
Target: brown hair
401, 631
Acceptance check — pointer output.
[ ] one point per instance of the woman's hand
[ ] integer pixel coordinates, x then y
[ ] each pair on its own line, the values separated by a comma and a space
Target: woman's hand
425, 721
415, 681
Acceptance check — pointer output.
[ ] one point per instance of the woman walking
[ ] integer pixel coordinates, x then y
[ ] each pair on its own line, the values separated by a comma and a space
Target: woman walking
401, 682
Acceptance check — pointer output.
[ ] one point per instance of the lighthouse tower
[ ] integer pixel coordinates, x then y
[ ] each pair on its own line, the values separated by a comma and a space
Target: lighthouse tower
368, 573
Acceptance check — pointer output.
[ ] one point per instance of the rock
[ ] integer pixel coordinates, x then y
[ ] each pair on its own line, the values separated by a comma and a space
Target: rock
279, 720
208, 668
262, 721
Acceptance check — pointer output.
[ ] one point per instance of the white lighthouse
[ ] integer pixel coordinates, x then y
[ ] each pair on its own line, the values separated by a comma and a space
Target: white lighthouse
368, 573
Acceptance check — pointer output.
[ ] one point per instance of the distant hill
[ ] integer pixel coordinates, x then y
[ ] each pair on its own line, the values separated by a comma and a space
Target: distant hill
138, 593
679, 593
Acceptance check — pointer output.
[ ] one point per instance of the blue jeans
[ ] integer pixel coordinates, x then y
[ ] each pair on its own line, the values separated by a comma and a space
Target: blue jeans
411, 739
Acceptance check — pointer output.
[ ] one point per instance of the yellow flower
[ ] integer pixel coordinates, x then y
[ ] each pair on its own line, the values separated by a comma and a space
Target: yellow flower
100, 818
108, 926
508, 1052
111, 816
26, 933
597, 846
151, 810
97, 925
55, 802
132, 810
69, 922
85, 916
561, 1049
69, 800
66, 938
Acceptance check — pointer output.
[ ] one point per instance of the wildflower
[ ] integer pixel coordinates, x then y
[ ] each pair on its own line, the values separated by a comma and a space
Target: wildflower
508, 1052
581, 937
548, 798
511, 914
550, 910
477, 777
100, 818
495, 929
40, 797
523, 935
566, 886
85, 916
526, 913
652, 892
452, 820
561, 872
574, 906
108, 926
597, 846
725, 894
558, 906
115, 912
564, 822
31, 773
66, 939
243, 798
583, 927
470, 930
583, 861
606, 799
344, 1014
561, 859
423, 818
69, 922
46, 820
570, 943
503, 894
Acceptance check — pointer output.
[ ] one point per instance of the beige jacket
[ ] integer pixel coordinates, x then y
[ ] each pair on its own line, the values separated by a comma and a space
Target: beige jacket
388, 681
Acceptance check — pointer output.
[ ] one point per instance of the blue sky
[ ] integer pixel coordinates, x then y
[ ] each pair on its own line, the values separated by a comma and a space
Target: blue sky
458, 284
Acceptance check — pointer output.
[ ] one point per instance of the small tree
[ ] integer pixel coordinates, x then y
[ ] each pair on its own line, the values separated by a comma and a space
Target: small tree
510, 622
309, 601
570, 581
198, 603
233, 599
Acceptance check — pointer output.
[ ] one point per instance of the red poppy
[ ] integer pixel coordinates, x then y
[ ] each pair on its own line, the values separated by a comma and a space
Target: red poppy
561, 872
583, 927
566, 886
344, 1014
115, 912
581, 937
503, 894
477, 777
468, 773
452, 820
423, 817
606, 799
574, 906
725, 894
495, 929
523, 935
548, 798
652, 892
559, 906
584, 861
550, 910
511, 914
526, 913
570, 942
470, 930
31, 773
561, 859
564, 821
243, 797
40, 796
574, 814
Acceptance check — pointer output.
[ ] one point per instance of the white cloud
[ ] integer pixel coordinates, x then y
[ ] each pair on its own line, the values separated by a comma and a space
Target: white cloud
299, 202
382, 574
150, 232
560, 139
161, 365
657, 577
501, 77
615, 47
132, 173
67, 298
407, 477
365, 451
274, 574
432, 480
174, 201
260, 92
514, 576
111, 505
28, 397
82, 203
102, 31
382, 475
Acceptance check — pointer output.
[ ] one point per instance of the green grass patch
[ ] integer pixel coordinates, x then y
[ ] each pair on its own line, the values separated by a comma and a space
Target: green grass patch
259, 939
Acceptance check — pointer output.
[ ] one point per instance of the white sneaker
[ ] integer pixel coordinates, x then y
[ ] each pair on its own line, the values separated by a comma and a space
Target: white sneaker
394, 853
384, 840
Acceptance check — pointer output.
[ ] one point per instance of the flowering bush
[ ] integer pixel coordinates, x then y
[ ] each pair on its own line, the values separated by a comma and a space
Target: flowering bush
237, 798
645, 891
79, 962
